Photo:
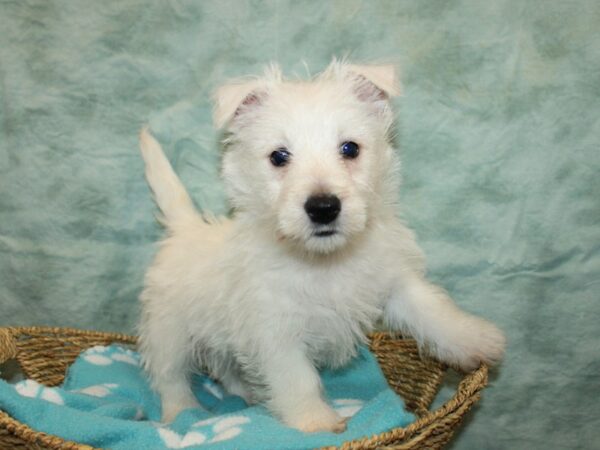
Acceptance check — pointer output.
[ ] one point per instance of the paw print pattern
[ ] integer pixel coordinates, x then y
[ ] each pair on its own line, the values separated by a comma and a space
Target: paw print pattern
99, 390
104, 356
219, 429
225, 428
347, 407
172, 439
32, 389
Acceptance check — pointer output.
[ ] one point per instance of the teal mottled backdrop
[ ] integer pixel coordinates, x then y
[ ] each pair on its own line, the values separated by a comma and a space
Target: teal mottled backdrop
499, 130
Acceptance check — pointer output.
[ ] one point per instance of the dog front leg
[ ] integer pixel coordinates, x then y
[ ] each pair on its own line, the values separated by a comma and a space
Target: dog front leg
427, 313
295, 392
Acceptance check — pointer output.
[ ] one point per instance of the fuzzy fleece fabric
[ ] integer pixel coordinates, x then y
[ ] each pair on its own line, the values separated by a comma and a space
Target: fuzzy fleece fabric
498, 129
106, 402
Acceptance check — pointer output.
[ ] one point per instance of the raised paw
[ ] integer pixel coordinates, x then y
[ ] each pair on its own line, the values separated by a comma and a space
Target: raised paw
475, 341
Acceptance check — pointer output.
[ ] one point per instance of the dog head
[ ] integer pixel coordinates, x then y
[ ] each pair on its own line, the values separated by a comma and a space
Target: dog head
310, 161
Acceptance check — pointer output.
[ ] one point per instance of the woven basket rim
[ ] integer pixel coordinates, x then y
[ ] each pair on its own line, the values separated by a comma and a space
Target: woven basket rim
468, 391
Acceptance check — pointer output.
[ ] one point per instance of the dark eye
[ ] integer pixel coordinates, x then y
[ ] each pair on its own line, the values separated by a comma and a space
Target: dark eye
349, 150
280, 157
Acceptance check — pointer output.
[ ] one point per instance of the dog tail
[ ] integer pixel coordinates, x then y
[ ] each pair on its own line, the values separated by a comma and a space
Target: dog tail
169, 194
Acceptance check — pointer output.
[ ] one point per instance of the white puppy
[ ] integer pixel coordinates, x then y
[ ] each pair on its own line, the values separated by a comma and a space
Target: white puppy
314, 255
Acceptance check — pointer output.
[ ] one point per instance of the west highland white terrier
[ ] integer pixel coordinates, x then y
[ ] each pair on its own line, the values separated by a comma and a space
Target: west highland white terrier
314, 256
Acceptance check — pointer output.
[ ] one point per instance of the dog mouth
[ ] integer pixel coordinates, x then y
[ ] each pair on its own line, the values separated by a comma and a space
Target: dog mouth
324, 233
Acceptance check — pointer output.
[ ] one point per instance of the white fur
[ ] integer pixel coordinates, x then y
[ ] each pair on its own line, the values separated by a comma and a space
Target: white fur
260, 301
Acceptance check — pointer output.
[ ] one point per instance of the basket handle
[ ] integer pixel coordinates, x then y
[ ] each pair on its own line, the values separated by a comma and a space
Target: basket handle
8, 345
467, 393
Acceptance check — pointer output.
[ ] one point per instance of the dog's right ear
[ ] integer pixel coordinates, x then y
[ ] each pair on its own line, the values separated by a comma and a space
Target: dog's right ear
235, 98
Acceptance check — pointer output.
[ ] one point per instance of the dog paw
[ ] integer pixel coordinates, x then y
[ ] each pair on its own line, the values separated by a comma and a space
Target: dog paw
323, 419
170, 413
478, 341
170, 410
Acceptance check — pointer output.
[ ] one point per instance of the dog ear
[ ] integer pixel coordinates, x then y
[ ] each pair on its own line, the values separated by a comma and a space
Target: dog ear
374, 82
233, 98
237, 97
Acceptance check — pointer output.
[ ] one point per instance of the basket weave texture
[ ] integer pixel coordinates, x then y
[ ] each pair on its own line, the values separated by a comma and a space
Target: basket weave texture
44, 354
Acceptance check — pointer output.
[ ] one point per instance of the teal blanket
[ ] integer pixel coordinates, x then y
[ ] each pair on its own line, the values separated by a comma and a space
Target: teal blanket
498, 130
106, 402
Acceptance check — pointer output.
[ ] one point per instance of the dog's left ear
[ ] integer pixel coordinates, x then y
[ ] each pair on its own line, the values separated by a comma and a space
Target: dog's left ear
374, 82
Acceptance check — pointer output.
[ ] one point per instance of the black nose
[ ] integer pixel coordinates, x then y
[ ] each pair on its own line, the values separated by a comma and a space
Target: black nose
322, 208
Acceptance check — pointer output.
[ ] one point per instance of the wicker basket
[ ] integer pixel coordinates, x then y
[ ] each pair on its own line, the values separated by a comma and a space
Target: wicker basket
44, 355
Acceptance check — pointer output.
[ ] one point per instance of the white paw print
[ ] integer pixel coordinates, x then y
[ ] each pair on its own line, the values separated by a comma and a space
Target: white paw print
222, 429
175, 440
347, 407
99, 390
30, 388
225, 428
104, 356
